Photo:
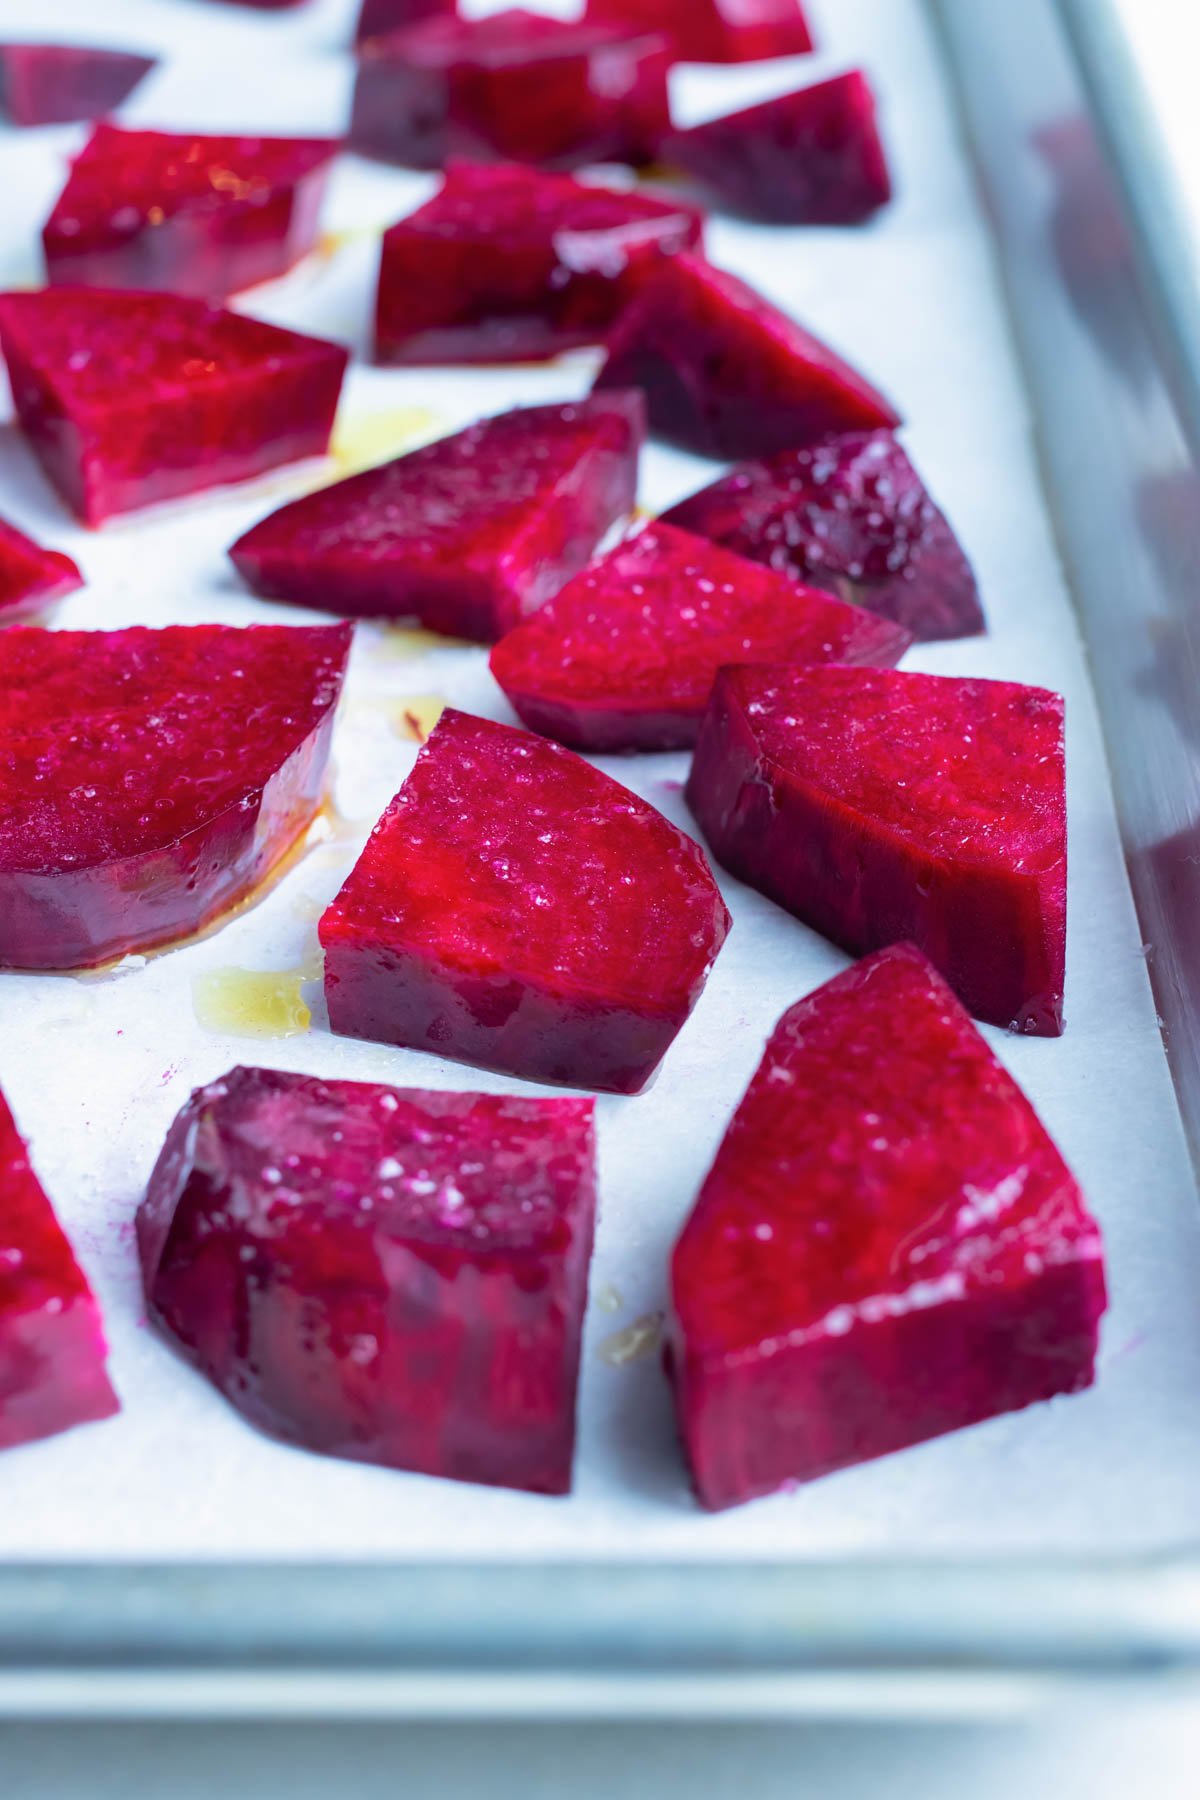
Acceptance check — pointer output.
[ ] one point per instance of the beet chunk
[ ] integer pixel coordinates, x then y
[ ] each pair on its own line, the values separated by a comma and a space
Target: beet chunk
888, 1246
378, 18
726, 374
625, 657
850, 514
150, 779
379, 1273
878, 806
714, 31
31, 578
516, 909
52, 1347
55, 84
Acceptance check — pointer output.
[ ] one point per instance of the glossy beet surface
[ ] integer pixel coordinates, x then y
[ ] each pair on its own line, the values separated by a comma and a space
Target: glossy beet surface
31, 578
467, 535
55, 84
517, 86
52, 1346
726, 374
888, 1247
379, 17
129, 399
714, 31
379, 1273
880, 807
810, 158
850, 514
150, 779
625, 657
192, 215
508, 264
516, 909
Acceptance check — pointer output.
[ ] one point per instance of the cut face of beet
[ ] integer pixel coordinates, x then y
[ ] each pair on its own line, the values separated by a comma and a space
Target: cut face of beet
52, 1348
516, 909
55, 84
626, 656
149, 780
508, 264
378, 18
516, 86
383, 1274
129, 399
191, 215
467, 535
713, 31
809, 158
726, 374
879, 807
31, 578
888, 1246
850, 514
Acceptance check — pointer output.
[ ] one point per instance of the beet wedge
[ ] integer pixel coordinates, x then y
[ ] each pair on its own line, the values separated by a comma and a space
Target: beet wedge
508, 264
56, 84
52, 1349
518, 910
149, 780
31, 579
190, 215
467, 535
131, 399
383, 1274
813, 157
888, 1246
850, 514
726, 374
714, 31
378, 18
626, 656
880, 807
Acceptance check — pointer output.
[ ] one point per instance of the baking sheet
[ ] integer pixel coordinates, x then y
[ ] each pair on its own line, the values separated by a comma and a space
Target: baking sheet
95, 1068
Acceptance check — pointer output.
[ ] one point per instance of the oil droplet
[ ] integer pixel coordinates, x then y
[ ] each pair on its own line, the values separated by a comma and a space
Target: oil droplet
608, 1298
640, 1339
254, 1003
371, 438
416, 715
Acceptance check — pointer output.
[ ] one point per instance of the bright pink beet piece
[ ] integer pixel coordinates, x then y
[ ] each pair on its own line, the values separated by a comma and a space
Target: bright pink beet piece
888, 1247
191, 215
517, 86
31, 578
626, 656
880, 807
128, 399
508, 264
850, 514
467, 535
810, 158
726, 374
55, 84
52, 1348
149, 780
379, 1273
714, 31
516, 909
378, 18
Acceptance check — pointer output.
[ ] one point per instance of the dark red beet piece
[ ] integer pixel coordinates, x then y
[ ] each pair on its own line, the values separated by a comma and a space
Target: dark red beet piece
149, 780
850, 514
378, 18
129, 399
31, 578
55, 84
726, 374
516, 909
626, 656
191, 215
714, 31
880, 807
469, 534
517, 86
52, 1347
379, 1273
508, 264
809, 158
888, 1247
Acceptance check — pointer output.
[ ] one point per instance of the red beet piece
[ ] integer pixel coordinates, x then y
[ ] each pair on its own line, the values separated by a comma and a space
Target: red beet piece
516, 909
849, 514
379, 1273
469, 534
149, 780
31, 578
128, 399
192, 215
888, 1246
809, 158
52, 1347
55, 84
726, 374
379, 18
626, 656
714, 31
880, 807
508, 264
517, 86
